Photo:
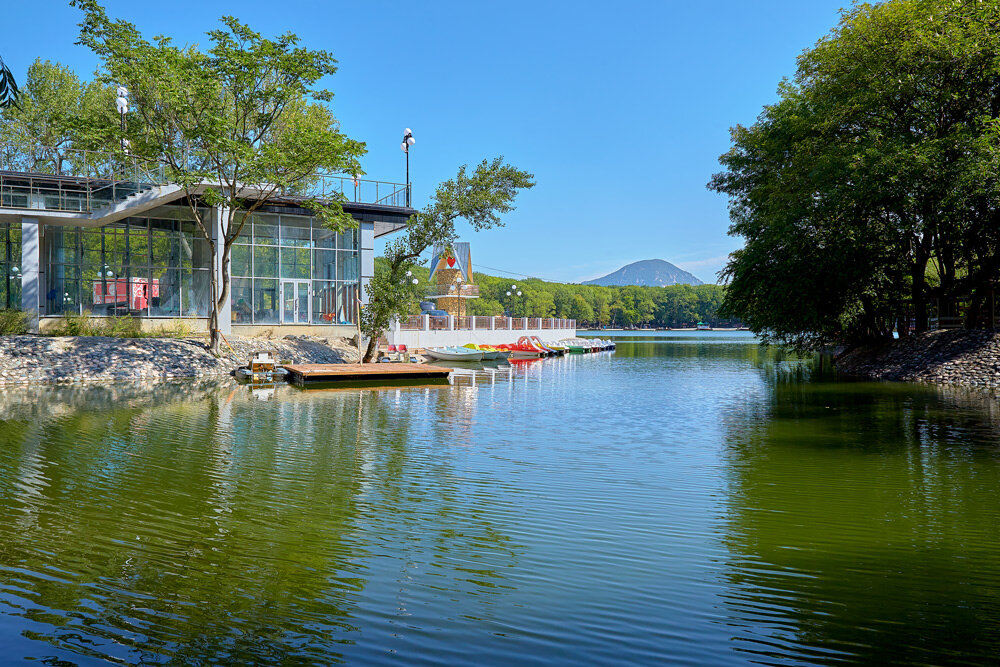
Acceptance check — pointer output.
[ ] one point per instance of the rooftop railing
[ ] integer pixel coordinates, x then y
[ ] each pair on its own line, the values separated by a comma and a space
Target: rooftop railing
75, 180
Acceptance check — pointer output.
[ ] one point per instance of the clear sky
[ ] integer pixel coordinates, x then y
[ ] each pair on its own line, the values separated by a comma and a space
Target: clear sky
620, 109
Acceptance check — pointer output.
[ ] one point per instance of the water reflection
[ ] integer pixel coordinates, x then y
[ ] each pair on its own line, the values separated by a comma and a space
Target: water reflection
196, 522
689, 501
861, 523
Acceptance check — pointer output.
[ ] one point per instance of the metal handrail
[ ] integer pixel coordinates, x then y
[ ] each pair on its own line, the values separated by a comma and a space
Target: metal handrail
97, 172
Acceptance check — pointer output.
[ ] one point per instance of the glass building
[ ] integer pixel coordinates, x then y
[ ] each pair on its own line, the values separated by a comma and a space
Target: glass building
285, 269
142, 253
289, 269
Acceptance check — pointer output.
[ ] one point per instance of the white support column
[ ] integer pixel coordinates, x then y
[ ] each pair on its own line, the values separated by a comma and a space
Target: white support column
472, 323
425, 322
451, 322
493, 321
31, 263
366, 256
220, 216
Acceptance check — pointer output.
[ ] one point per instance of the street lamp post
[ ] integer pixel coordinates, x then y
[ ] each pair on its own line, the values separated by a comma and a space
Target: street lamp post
121, 102
408, 141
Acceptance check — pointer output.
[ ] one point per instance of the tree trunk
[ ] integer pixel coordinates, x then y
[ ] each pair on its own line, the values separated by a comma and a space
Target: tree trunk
918, 293
370, 350
214, 339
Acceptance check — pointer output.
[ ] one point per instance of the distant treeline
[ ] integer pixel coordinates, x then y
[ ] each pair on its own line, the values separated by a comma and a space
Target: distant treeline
673, 306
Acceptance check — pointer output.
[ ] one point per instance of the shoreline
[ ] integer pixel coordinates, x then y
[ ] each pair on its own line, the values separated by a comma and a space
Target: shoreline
957, 357
54, 360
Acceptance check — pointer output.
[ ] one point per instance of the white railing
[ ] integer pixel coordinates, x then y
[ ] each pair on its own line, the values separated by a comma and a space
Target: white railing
482, 323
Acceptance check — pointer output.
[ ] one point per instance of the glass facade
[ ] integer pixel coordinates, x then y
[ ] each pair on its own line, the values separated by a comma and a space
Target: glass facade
157, 266
289, 269
285, 269
10, 265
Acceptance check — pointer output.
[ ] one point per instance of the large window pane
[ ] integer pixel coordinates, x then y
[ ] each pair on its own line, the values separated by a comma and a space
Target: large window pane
241, 300
324, 264
347, 304
138, 248
348, 240
324, 310
239, 264
295, 262
166, 299
323, 237
347, 266
295, 231
265, 262
196, 291
165, 248
265, 301
63, 293
265, 229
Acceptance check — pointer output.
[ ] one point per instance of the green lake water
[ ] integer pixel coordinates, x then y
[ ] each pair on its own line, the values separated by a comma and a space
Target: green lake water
687, 499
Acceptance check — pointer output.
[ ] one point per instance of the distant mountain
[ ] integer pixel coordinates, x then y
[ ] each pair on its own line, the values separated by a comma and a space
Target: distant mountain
647, 272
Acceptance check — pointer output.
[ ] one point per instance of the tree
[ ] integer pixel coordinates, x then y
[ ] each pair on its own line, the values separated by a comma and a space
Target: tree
234, 126
478, 198
581, 310
8, 87
56, 114
873, 171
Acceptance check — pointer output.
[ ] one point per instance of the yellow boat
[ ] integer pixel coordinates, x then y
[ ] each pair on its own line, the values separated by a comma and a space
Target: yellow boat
490, 353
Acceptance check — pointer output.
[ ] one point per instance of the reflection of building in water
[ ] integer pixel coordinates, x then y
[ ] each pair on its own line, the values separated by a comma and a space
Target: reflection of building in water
282, 509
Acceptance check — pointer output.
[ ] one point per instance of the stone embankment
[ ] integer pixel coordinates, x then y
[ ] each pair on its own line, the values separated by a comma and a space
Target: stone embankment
960, 357
34, 359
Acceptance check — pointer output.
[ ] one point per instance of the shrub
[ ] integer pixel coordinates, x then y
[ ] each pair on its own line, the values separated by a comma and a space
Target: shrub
120, 326
13, 322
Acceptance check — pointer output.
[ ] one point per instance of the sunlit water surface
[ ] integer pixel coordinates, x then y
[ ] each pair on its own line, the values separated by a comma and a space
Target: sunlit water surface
689, 498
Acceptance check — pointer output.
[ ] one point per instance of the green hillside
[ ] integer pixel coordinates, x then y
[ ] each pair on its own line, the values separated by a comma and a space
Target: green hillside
671, 306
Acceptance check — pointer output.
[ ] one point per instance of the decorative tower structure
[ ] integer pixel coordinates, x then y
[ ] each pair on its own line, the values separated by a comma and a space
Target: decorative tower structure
451, 272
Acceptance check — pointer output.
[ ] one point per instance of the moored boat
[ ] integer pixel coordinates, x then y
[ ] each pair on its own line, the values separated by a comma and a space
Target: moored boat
454, 354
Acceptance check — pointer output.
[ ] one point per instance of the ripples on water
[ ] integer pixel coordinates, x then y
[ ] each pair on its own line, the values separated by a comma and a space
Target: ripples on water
687, 499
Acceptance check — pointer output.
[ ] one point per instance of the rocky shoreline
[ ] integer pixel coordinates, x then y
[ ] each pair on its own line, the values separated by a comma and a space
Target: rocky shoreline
969, 358
78, 359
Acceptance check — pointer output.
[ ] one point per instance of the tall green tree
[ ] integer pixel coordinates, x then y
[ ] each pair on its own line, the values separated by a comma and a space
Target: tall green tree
868, 175
479, 198
235, 125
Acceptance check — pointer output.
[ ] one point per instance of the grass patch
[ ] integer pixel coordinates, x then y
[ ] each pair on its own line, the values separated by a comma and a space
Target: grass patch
124, 326
13, 322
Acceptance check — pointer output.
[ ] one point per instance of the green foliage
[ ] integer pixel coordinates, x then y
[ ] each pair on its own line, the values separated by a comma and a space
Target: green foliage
479, 198
591, 305
56, 112
8, 87
244, 116
876, 168
13, 322
124, 326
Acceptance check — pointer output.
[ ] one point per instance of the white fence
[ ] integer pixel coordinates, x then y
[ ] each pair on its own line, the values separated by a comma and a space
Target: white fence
441, 331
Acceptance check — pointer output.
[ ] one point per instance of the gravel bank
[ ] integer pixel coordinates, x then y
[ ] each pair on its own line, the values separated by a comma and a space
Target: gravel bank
966, 358
33, 359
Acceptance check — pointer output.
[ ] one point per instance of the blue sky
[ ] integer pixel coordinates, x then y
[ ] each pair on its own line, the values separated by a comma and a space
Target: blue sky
619, 109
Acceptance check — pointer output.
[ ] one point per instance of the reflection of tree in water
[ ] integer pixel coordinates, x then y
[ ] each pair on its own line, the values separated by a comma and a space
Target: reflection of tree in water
861, 524
222, 527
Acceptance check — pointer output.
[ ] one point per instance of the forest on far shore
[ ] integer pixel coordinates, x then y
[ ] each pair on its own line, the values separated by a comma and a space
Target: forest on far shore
595, 305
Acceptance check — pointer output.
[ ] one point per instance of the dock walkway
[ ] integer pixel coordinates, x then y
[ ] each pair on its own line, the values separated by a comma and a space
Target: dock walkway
364, 372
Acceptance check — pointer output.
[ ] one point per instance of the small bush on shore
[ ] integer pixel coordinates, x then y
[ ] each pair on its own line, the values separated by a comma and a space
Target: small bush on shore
13, 322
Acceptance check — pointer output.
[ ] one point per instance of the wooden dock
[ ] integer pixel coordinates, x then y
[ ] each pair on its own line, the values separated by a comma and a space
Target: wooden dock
302, 373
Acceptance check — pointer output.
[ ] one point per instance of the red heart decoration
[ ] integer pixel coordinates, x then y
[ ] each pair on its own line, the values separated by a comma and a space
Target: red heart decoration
451, 262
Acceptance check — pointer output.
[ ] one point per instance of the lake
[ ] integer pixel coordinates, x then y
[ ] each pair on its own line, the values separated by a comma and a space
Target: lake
689, 498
